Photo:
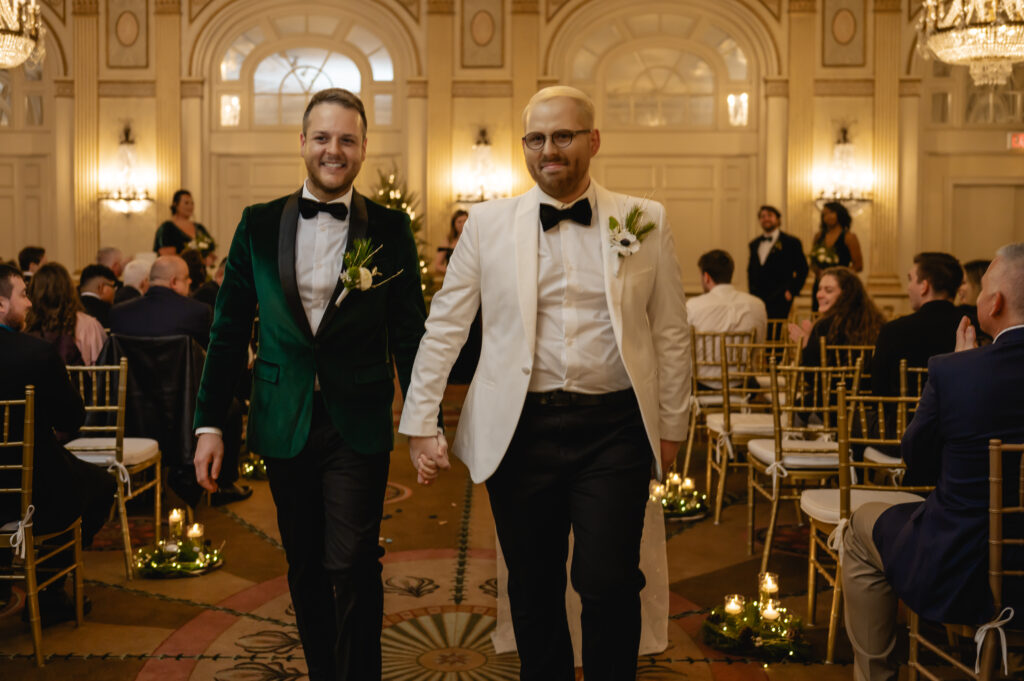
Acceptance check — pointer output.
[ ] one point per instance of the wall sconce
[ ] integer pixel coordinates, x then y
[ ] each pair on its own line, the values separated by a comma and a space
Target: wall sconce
481, 181
128, 195
738, 108
842, 181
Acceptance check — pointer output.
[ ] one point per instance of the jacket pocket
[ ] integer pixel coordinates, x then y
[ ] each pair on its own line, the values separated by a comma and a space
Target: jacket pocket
265, 371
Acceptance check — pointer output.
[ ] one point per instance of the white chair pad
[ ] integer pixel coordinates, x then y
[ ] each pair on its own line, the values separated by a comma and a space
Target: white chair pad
765, 381
764, 452
823, 504
743, 424
8, 528
100, 450
718, 400
874, 456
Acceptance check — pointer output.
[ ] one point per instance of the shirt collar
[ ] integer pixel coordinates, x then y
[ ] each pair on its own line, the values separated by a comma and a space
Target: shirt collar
4, 326
90, 294
1009, 328
346, 198
773, 235
590, 194
722, 289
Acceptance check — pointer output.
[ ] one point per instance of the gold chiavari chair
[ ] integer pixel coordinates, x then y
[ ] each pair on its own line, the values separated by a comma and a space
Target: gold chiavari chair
912, 380
706, 394
863, 420
104, 392
745, 413
803, 450
29, 548
777, 331
988, 660
846, 356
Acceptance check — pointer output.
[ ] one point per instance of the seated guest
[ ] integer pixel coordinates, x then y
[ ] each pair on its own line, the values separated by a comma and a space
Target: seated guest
967, 296
207, 293
722, 308
196, 269
848, 316
30, 259
57, 317
112, 258
63, 487
932, 283
933, 555
136, 281
97, 287
166, 309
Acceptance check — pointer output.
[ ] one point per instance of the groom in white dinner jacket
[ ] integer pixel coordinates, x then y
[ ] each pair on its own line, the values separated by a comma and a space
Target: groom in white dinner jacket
584, 374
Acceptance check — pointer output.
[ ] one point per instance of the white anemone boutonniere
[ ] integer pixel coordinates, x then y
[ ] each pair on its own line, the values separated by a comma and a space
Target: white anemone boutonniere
627, 235
358, 271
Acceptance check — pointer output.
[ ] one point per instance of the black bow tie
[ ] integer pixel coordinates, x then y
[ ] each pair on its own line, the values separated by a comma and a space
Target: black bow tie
578, 212
309, 208
765, 238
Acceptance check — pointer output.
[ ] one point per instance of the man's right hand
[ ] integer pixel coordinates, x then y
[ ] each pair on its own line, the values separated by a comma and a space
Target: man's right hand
209, 455
966, 336
429, 456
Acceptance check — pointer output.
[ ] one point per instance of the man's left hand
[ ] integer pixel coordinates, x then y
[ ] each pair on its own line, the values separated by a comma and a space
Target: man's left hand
966, 337
669, 450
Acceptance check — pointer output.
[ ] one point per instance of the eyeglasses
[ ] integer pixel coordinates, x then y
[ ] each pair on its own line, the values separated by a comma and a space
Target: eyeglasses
561, 138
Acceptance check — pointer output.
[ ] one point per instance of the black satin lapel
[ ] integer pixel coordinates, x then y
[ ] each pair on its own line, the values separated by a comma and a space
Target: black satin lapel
358, 225
286, 260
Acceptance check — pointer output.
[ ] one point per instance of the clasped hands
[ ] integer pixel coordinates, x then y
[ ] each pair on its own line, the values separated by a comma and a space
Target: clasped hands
429, 456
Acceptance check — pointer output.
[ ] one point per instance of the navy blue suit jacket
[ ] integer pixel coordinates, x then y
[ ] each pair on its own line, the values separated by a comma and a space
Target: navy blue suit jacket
935, 552
162, 312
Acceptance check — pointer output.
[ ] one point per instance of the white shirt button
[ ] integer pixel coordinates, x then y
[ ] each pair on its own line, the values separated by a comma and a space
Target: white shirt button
526, 370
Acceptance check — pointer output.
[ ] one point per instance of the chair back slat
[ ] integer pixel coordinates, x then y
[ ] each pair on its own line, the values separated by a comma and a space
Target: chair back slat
997, 513
706, 354
912, 380
104, 390
777, 331
17, 451
742, 364
841, 355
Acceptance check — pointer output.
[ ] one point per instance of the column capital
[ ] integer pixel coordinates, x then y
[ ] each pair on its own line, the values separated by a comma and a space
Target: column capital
525, 6
440, 6
776, 87
802, 6
887, 6
85, 7
168, 6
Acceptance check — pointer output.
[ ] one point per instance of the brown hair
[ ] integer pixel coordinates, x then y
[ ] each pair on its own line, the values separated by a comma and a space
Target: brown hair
7, 276
55, 304
854, 319
335, 95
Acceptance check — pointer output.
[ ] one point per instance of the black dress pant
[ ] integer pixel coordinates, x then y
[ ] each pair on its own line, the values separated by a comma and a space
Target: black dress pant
329, 502
584, 466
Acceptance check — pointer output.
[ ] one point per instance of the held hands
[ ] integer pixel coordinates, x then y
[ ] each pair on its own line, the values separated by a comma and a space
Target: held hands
209, 455
429, 456
669, 450
966, 336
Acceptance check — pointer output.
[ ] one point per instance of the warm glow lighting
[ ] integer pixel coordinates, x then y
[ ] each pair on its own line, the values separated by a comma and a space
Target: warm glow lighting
738, 107
734, 604
21, 33
124, 189
481, 179
843, 180
985, 35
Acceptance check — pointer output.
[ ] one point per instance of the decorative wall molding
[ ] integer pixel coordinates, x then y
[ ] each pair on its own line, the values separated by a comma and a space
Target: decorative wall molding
482, 88
776, 87
168, 6
773, 6
802, 6
525, 6
440, 6
127, 34
127, 88
416, 89
841, 87
196, 7
554, 6
547, 82
910, 87
192, 88
410, 6
58, 7
483, 34
844, 32
887, 6
85, 7
64, 87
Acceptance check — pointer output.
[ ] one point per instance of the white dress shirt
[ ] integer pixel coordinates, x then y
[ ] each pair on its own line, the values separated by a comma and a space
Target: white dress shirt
320, 243
723, 309
765, 247
575, 346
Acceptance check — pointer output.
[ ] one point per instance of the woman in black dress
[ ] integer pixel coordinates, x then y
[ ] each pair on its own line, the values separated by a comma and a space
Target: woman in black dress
180, 232
834, 246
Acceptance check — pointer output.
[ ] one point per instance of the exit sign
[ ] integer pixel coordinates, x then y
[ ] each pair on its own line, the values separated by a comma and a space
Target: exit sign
1015, 141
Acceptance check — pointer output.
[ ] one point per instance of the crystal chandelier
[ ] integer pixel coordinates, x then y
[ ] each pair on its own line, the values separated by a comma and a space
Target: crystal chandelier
21, 33
986, 35
843, 181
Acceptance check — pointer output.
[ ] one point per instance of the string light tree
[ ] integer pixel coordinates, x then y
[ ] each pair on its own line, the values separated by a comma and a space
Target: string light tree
393, 192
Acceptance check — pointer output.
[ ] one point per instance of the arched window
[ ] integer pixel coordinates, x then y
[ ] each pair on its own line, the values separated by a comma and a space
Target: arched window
284, 82
22, 93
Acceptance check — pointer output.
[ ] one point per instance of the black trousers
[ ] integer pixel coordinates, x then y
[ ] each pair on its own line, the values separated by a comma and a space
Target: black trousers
588, 468
329, 502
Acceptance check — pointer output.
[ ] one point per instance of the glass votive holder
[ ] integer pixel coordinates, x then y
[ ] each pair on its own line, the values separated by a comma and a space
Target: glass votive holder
734, 604
767, 586
770, 610
176, 523
195, 533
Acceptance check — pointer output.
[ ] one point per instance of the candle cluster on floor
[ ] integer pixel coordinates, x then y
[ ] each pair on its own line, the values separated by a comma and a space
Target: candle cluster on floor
254, 467
679, 497
185, 553
760, 628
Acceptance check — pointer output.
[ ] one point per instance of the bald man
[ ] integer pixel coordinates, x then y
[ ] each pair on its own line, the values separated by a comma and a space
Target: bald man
165, 309
933, 554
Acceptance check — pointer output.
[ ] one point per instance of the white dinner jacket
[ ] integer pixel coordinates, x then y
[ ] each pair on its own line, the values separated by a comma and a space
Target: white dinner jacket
494, 267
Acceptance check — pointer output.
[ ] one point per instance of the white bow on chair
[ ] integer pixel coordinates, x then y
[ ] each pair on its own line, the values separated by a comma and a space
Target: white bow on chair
979, 637
18, 538
122, 475
835, 538
776, 470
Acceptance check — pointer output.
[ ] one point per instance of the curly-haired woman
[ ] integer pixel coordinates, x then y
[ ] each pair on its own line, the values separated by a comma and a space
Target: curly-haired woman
848, 316
57, 316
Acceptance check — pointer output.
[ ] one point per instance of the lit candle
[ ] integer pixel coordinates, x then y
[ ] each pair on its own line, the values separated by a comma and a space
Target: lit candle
687, 485
657, 492
176, 522
195, 532
734, 604
769, 582
769, 611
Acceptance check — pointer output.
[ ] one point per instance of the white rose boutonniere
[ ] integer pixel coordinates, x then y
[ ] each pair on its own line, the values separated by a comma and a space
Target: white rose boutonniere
627, 235
358, 271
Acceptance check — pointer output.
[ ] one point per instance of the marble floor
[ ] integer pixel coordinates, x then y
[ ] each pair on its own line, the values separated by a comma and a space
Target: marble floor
236, 623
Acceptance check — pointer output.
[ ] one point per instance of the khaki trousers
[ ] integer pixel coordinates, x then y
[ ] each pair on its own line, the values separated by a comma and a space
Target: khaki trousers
870, 604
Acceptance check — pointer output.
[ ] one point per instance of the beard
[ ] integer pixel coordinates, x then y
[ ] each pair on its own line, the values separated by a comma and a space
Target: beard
557, 186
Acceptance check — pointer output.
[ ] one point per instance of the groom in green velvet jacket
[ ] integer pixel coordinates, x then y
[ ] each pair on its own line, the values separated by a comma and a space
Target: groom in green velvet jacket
322, 381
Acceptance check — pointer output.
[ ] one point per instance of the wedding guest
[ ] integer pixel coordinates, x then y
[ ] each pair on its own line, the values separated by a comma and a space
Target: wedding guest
444, 253
967, 296
112, 258
848, 316
57, 317
207, 293
196, 269
30, 259
181, 231
834, 246
97, 286
165, 309
777, 266
136, 281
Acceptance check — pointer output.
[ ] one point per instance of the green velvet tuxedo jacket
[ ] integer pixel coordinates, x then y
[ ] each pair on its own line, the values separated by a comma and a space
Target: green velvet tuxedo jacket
351, 352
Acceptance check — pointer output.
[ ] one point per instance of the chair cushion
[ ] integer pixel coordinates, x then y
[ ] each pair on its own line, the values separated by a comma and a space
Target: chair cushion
823, 504
743, 424
100, 450
874, 456
719, 400
8, 528
764, 452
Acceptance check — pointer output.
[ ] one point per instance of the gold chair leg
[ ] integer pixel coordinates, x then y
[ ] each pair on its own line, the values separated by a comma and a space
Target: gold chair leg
833, 617
720, 496
812, 575
691, 436
79, 581
122, 514
912, 658
799, 515
32, 596
751, 502
709, 466
770, 535
157, 499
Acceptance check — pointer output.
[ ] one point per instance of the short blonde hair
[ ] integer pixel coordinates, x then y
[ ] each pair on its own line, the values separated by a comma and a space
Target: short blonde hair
584, 103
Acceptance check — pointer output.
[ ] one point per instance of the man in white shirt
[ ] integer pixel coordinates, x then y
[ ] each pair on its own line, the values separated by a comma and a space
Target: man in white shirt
582, 389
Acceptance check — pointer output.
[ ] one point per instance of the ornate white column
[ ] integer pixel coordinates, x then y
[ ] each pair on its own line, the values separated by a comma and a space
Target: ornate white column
910, 133
775, 131
886, 148
85, 72
440, 67
167, 46
525, 71
800, 153
64, 167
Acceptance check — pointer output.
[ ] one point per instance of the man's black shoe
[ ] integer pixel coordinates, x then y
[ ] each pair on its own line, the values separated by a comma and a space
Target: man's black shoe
227, 495
56, 607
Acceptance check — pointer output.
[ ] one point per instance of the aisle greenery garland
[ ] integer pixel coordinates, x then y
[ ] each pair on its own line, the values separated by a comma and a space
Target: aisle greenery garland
749, 634
177, 559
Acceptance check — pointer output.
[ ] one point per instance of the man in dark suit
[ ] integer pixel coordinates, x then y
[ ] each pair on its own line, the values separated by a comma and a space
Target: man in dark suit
932, 555
136, 282
932, 283
96, 288
166, 309
63, 487
777, 268
323, 380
